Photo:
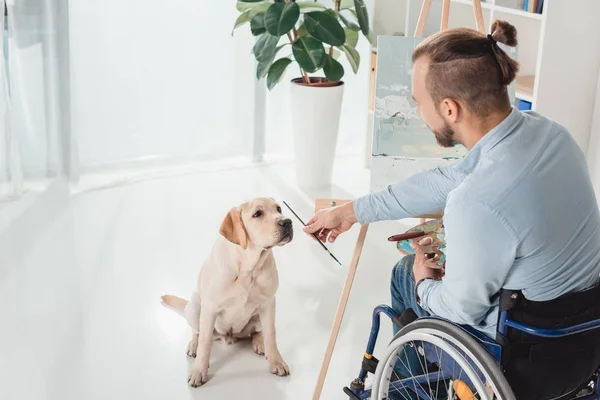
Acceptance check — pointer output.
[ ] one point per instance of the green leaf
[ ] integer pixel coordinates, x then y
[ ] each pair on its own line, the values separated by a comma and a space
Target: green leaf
255, 8
241, 20
333, 70
353, 57
348, 23
265, 64
265, 47
262, 68
363, 16
309, 6
323, 26
276, 71
351, 37
280, 18
309, 53
302, 31
242, 6
260, 8
346, 4
257, 24
372, 38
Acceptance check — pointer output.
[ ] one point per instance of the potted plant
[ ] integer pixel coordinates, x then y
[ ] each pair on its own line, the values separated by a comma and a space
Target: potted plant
312, 36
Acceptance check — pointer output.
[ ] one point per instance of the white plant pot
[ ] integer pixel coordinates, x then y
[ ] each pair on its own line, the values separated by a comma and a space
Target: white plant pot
316, 117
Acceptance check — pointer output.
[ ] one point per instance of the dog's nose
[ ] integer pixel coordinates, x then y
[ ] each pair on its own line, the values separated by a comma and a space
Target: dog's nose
285, 222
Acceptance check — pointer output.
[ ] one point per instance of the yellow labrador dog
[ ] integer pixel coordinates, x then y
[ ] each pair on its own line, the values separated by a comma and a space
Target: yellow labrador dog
235, 294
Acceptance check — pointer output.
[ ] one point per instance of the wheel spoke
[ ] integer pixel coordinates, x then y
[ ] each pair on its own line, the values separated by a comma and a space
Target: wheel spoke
437, 344
437, 387
424, 367
399, 376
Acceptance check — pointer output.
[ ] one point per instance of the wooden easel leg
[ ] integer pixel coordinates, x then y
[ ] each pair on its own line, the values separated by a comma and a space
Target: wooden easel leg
425, 6
445, 15
335, 329
478, 16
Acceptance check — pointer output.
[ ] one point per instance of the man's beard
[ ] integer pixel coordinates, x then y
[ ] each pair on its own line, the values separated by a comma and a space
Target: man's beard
445, 137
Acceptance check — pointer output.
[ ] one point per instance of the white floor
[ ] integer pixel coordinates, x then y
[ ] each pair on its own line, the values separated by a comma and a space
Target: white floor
80, 307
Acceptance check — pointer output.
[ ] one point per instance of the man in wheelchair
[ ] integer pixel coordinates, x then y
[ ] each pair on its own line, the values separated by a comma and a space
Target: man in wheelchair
521, 220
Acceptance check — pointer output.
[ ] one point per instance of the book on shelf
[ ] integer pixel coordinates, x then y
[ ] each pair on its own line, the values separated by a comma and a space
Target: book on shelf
533, 6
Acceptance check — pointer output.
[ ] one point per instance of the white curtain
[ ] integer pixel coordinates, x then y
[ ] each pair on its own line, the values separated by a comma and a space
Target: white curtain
11, 173
30, 152
155, 81
147, 82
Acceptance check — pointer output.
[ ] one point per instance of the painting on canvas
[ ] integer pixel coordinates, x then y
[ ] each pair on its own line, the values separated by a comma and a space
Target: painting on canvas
402, 143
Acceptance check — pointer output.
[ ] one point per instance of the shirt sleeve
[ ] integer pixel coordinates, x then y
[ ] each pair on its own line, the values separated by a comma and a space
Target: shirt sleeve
421, 193
480, 251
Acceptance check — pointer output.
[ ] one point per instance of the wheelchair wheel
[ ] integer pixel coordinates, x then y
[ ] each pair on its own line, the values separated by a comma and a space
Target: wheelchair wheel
434, 359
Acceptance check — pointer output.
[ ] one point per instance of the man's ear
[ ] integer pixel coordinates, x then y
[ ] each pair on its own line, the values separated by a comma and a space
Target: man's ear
232, 228
450, 110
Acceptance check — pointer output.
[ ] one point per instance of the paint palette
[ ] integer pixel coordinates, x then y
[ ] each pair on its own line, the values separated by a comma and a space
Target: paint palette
435, 230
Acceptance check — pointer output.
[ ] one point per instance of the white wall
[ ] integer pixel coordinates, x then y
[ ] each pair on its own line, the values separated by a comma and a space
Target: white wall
152, 78
566, 93
593, 153
389, 17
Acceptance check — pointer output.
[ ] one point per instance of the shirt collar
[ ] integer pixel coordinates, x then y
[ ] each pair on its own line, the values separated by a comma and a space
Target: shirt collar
499, 132
491, 139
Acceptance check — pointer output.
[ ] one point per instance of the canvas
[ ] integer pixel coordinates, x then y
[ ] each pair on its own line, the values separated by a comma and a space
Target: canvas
402, 143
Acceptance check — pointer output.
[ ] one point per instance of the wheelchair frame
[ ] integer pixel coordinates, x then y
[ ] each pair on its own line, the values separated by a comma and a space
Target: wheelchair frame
357, 390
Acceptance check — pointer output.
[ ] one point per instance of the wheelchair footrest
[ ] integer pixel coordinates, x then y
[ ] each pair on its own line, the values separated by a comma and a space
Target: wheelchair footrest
370, 364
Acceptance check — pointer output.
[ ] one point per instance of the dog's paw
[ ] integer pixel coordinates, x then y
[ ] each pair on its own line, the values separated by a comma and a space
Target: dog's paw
198, 377
258, 344
279, 367
192, 347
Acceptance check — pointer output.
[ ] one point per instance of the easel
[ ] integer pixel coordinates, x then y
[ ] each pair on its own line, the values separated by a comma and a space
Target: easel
360, 241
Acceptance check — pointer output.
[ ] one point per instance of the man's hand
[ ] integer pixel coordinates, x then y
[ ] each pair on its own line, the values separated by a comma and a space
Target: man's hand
329, 223
425, 267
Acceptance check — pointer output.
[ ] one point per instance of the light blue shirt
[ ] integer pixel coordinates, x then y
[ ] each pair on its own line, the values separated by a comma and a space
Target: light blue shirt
519, 213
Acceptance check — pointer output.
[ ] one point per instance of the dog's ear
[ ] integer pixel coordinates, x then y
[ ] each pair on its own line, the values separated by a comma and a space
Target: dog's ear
232, 228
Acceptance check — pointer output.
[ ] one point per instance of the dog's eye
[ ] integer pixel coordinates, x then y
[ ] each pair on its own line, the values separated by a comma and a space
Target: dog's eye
257, 214
279, 209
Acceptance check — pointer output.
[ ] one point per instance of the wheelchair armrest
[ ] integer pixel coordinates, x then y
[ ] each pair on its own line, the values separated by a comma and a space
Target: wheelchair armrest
401, 320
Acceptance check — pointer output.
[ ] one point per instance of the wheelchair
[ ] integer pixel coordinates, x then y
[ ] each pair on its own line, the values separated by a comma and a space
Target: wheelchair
542, 350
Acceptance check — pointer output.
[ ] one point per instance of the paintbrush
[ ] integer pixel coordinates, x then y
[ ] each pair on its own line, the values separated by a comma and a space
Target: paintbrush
321, 243
406, 236
412, 235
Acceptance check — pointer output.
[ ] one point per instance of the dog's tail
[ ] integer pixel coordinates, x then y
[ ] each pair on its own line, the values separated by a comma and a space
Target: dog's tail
174, 302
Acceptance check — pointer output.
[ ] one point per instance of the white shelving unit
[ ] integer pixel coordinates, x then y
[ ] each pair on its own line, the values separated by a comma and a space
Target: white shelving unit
558, 51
